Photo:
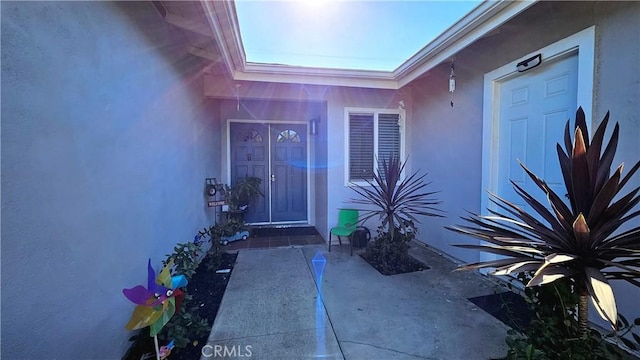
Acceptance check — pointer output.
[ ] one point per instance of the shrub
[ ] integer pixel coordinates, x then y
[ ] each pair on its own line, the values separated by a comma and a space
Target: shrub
397, 202
185, 259
388, 252
554, 331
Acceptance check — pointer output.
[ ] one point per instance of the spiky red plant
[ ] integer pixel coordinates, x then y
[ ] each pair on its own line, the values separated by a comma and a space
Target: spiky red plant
583, 239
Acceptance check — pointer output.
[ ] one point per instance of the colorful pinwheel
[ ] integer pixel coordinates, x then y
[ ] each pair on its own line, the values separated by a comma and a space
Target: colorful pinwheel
156, 303
165, 351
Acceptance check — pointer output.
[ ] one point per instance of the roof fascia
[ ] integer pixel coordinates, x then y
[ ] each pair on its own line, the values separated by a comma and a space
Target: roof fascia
317, 76
483, 19
223, 21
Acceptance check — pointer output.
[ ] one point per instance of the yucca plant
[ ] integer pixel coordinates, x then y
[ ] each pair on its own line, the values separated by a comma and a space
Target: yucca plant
397, 201
581, 240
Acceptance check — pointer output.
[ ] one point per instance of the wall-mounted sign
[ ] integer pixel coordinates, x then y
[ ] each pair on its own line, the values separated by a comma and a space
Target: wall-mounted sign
216, 203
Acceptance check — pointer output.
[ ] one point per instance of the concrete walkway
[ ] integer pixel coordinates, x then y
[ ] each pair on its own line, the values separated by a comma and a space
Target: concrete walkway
271, 310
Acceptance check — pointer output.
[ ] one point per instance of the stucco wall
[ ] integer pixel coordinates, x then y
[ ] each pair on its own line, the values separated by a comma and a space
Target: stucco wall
617, 89
448, 141
265, 100
106, 142
339, 98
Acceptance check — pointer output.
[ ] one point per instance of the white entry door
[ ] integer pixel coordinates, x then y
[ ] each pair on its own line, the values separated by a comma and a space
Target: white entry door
534, 108
524, 115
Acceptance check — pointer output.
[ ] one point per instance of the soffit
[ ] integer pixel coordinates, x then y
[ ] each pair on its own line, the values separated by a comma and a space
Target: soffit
211, 31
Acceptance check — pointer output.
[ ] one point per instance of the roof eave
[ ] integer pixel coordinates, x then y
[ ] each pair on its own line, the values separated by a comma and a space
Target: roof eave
223, 21
317, 76
483, 19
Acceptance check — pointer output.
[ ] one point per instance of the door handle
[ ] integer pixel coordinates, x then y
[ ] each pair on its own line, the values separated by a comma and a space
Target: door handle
273, 177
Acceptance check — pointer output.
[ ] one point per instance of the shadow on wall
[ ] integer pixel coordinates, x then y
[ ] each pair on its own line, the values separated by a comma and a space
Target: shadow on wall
106, 140
162, 37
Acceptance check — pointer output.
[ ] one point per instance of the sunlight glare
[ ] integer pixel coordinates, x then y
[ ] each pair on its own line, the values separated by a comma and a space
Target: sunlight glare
314, 4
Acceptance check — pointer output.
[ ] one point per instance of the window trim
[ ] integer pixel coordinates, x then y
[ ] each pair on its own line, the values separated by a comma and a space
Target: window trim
375, 112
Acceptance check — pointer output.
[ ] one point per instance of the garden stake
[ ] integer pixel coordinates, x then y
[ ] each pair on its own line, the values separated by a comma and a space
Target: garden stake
156, 303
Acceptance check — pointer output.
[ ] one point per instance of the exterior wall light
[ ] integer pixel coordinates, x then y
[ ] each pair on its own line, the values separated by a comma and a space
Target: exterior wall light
313, 126
530, 63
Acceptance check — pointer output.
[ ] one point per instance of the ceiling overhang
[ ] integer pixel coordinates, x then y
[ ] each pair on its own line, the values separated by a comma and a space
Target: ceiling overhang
485, 18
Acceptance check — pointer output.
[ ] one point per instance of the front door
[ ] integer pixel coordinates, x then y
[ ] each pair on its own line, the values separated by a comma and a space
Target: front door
277, 154
534, 108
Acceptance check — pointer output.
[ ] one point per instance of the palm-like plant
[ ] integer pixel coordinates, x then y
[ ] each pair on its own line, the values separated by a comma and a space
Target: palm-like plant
397, 201
581, 240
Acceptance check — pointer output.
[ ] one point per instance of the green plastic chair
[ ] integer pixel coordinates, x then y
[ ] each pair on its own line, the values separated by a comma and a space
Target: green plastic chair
347, 223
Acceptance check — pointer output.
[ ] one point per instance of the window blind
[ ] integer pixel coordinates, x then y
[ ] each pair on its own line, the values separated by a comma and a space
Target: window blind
388, 135
360, 146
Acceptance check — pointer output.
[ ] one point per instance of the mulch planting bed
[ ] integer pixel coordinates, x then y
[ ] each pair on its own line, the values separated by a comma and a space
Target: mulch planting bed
406, 265
207, 288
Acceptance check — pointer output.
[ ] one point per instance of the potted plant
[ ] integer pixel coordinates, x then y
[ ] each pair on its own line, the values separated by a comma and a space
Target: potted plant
241, 194
397, 202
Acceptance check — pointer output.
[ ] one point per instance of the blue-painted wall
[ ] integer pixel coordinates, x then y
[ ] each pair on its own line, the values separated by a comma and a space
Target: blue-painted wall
106, 142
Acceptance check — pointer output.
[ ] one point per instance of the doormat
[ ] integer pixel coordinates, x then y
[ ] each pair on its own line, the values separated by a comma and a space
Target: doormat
508, 307
283, 231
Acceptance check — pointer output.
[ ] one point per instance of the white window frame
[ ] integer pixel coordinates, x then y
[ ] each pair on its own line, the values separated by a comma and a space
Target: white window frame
375, 112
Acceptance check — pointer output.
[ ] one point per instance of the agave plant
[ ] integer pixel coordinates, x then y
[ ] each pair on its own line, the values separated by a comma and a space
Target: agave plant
398, 201
581, 240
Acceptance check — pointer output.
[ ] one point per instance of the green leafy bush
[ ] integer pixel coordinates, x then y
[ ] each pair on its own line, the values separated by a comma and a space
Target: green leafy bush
185, 259
554, 332
214, 255
185, 326
389, 252
214, 233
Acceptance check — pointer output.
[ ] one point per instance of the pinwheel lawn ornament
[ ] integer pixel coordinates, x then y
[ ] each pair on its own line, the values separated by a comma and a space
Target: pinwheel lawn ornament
156, 303
165, 351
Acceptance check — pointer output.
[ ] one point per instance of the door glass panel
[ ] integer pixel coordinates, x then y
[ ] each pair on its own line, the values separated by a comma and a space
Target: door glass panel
251, 135
288, 135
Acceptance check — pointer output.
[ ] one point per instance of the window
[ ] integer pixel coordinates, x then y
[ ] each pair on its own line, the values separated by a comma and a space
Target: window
288, 135
372, 135
251, 135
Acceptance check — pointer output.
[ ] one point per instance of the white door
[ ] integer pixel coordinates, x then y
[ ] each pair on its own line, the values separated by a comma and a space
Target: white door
534, 108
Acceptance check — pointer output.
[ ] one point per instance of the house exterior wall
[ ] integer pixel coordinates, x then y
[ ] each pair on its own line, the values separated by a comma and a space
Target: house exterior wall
106, 143
448, 141
269, 101
339, 98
